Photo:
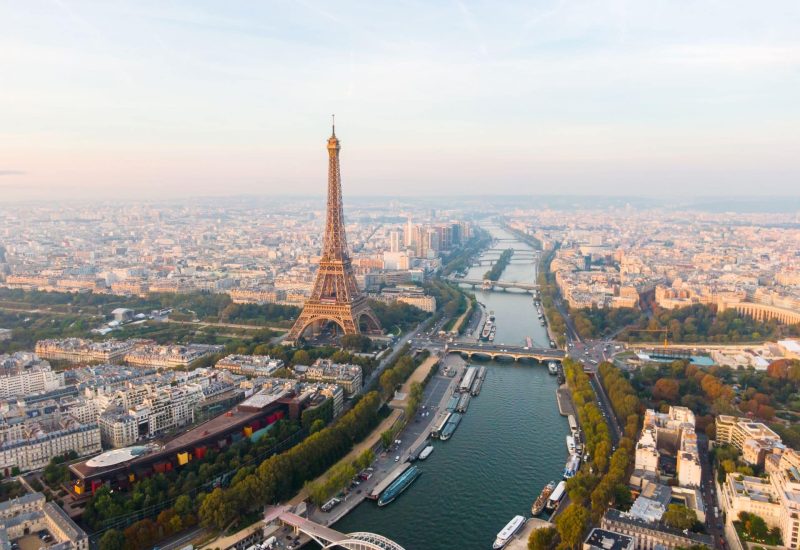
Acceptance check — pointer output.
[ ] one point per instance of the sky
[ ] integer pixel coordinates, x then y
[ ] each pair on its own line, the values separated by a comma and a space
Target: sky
149, 99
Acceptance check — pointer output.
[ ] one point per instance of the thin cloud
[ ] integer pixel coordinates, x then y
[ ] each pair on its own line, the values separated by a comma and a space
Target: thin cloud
12, 173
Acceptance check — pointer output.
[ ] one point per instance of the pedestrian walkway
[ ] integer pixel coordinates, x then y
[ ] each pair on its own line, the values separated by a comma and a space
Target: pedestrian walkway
370, 442
564, 398
419, 374
520, 542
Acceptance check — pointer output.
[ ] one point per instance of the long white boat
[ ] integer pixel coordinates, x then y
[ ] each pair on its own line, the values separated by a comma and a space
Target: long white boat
426, 452
571, 468
571, 444
556, 495
508, 531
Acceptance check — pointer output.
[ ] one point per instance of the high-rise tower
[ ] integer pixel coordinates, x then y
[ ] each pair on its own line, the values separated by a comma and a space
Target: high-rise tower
335, 297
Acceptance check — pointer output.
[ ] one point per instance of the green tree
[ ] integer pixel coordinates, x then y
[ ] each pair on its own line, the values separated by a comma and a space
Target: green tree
356, 342
542, 539
183, 505
571, 525
680, 517
216, 512
754, 526
301, 357
316, 426
112, 540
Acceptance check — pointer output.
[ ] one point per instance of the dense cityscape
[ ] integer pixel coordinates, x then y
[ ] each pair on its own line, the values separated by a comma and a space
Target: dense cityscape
535, 285
142, 342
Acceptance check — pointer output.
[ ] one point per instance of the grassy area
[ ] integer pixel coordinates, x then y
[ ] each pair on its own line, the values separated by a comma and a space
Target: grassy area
773, 537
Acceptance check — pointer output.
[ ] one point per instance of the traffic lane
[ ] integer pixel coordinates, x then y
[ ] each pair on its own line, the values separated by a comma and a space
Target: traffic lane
605, 408
385, 461
713, 522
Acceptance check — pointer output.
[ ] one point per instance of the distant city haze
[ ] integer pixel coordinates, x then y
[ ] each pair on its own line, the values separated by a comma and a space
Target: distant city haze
154, 99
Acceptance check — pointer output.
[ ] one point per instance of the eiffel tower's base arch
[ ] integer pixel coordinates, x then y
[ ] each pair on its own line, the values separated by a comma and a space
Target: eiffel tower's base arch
349, 320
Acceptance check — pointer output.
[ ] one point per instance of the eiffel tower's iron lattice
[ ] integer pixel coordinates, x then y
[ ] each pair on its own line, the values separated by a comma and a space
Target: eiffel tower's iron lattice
335, 297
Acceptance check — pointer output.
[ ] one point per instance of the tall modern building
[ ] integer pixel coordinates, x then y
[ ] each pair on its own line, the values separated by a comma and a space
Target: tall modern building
335, 297
395, 241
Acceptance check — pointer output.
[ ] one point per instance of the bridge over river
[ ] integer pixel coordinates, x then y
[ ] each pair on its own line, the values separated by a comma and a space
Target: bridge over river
499, 351
486, 284
331, 538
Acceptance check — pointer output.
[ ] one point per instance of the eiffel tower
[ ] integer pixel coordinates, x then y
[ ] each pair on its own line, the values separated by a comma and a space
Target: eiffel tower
335, 297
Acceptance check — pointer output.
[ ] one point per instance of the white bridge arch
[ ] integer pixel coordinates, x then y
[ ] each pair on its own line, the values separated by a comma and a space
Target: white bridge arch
365, 541
331, 538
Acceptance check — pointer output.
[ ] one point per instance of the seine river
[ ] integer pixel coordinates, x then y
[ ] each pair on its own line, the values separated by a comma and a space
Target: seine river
507, 447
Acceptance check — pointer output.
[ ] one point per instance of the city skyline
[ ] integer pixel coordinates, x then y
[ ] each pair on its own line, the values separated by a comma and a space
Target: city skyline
151, 101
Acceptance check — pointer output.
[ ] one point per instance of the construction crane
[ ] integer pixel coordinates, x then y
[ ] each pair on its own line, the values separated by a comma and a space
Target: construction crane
665, 331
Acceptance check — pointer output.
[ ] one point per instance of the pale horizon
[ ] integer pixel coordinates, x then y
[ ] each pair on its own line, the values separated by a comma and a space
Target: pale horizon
144, 100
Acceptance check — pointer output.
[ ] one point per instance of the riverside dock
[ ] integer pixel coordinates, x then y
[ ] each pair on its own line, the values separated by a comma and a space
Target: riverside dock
564, 398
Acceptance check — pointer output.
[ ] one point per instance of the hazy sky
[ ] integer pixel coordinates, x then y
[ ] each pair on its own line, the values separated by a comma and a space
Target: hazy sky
141, 99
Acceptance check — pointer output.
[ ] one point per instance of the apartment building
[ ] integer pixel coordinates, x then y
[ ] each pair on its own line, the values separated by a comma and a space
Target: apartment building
255, 296
34, 444
776, 499
671, 433
755, 439
169, 356
250, 365
649, 535
146, 411
78, 350
118, 429
325, 370
23, 373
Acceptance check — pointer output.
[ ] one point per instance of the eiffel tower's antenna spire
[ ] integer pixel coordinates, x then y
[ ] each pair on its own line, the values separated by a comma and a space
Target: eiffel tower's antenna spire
333, 125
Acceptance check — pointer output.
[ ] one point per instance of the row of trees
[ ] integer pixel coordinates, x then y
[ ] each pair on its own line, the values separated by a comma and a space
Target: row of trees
524, 237
695, 323
338, 477
602, 484
459, 259
147, 532
397, 314
594, 322
450, 300
280, 476
150, 495
548, 293
704, 323
399, 371
499, 266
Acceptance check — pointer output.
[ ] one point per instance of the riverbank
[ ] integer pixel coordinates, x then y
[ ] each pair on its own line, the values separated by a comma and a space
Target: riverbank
506, 448
435, 397
564, 398
520, 541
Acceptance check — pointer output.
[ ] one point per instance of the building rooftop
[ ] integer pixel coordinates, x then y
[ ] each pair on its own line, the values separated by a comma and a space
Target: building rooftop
603, 539
627, 519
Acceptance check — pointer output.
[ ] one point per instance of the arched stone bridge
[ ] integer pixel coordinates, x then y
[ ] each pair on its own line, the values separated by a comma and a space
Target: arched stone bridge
499, 351
486, 284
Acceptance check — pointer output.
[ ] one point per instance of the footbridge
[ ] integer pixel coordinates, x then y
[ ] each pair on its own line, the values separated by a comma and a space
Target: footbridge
486, 284
331, 538
500, 351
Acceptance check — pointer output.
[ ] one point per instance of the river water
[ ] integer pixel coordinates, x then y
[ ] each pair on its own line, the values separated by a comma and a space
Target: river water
508, 446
